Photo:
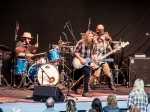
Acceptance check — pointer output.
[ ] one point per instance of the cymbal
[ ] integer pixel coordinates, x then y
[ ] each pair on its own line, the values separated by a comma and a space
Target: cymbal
63, 43
28, 48
4, 48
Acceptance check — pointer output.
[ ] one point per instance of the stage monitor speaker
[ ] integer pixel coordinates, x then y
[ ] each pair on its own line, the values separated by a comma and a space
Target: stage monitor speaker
141, 66
41, 93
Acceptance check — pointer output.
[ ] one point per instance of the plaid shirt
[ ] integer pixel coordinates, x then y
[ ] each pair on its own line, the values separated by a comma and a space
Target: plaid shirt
83, 50
102, 46
133, 98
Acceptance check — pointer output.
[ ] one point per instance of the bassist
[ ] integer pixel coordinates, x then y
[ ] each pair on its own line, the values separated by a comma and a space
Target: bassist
103, 46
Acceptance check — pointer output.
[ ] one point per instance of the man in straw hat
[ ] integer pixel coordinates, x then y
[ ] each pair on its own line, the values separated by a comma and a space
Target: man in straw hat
25, 41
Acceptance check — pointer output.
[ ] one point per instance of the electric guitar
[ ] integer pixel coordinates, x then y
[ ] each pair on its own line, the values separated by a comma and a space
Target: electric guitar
88, 61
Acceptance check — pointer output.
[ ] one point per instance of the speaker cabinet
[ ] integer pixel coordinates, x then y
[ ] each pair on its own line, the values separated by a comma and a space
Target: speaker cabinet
41, 93
141, 66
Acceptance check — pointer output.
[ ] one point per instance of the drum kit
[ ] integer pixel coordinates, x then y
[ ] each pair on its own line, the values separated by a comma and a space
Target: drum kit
44, 70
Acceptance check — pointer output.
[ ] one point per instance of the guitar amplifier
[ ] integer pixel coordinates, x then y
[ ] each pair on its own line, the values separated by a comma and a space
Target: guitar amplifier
141, 66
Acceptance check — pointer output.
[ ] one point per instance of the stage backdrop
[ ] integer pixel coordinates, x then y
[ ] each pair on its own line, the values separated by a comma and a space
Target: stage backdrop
128, 20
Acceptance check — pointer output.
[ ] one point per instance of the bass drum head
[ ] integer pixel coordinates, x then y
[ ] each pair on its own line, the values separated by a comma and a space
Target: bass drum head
48, 74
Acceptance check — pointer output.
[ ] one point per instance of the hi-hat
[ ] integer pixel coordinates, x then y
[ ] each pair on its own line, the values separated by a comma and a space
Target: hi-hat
23, 48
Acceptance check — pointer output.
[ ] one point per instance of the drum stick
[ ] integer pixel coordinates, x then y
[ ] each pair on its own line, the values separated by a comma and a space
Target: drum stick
37, 38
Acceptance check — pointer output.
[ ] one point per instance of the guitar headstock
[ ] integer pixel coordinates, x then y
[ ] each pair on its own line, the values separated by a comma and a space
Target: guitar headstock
123, 44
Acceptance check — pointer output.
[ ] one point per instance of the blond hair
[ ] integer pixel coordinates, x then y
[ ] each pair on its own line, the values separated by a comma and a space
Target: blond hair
86, 39
139, 88
111, 101
134, 108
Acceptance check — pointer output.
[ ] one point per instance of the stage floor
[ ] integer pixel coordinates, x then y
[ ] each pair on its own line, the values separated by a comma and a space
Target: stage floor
11, 95
10, 98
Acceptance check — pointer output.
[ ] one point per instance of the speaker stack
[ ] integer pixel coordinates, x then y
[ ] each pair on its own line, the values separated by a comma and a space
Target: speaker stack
141, 66
41, 93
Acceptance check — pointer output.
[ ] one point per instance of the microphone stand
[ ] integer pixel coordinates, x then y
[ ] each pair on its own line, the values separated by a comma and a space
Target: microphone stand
89, 24
46, 74
16, 30
74, 39
68, 79
132, 71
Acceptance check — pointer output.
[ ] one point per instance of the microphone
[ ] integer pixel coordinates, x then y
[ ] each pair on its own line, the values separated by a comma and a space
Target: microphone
64, 33
147, 34
66, 24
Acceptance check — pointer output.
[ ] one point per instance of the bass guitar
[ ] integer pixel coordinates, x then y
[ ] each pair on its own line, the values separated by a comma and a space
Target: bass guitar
88, 61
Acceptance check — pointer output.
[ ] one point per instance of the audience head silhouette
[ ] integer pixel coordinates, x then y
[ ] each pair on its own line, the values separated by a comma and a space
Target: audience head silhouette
112, 101
71, 106
15, 110
50, 102
96, 104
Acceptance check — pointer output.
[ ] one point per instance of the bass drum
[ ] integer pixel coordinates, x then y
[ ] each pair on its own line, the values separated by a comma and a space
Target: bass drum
48, 74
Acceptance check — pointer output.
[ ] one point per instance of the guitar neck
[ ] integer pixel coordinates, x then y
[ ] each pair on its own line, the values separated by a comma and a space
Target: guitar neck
103, 57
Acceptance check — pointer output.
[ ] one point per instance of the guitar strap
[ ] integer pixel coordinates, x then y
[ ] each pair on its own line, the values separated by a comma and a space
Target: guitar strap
91, 50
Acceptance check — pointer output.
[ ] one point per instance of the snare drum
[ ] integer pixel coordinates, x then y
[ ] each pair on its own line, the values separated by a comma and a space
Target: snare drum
21, 66
53, 55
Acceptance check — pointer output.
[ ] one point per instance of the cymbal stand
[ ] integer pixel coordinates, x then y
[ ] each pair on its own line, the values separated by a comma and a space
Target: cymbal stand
1, 76
35, 76
116, 70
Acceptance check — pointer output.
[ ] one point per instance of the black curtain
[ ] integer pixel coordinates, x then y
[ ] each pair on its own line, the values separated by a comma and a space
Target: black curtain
128, 20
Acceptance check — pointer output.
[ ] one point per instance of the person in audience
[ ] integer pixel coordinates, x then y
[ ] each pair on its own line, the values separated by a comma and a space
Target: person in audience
15, 110
96, 104
1, 110
138, 96
50, 105
71, 106
111, 104
134, 108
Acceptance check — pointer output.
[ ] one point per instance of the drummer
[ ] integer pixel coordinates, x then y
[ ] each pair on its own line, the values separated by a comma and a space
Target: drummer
25, 41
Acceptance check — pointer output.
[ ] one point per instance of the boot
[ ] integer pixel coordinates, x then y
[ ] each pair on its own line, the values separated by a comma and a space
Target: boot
111, 84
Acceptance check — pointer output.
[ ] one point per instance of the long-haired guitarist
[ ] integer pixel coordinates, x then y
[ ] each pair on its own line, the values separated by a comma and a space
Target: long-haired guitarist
85, 48
103, 46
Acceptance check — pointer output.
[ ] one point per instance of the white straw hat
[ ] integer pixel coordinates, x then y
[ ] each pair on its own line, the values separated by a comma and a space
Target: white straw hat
27, 35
